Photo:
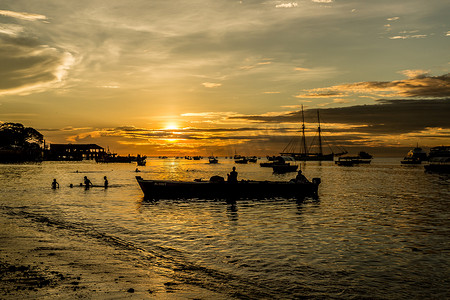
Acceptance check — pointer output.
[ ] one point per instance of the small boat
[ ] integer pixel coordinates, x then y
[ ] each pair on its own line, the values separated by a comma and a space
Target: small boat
242, 160
252, 159
439, 160
345, 161
220, 189
213, 160
282, 164
361, 158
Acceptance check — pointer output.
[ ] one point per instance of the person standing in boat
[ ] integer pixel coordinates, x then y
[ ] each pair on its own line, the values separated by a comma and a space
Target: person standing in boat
87, 182
232, 177
106, 182
55, 184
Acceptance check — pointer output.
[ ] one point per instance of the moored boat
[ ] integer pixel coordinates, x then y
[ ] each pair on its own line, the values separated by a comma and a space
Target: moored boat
219, 189
282, 164
345, 161
439, 160
414, 157
361, 158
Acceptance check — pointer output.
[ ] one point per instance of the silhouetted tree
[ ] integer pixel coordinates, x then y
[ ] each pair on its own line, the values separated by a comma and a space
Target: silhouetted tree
17, 135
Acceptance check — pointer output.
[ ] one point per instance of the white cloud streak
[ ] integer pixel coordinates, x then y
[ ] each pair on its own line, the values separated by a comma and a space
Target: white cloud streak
22, 15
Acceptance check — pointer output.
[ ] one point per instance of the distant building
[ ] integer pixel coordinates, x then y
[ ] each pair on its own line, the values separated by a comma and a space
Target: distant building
74, 152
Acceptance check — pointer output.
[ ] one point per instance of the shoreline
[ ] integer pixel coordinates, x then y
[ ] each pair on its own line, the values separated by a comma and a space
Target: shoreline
36, 261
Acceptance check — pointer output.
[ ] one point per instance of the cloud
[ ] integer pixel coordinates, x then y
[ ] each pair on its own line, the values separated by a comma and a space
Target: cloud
29, 66
287, 5
325, 94
22, 15
10, 29
386, 117
421, 85
404, 37
211, 84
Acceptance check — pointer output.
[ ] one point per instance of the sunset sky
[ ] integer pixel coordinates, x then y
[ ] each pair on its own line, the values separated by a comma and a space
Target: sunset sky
214, 76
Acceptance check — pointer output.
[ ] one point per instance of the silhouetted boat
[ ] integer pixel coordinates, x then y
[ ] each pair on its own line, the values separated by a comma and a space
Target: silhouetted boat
414, 157
252, 159
439, 160
242, 160
345, 161
213, 160
166, 189
302, 153
282, 164
361, 158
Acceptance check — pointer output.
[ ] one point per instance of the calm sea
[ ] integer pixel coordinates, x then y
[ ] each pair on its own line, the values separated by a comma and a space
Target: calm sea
378, 231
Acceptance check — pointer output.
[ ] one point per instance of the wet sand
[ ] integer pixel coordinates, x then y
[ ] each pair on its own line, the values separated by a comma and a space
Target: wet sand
36, 261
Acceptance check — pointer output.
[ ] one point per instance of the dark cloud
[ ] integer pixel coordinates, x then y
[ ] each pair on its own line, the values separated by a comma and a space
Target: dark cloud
385, 117
418, 86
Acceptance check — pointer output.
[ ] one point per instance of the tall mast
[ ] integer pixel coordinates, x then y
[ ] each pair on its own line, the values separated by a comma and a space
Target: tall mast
320, 137
305, 150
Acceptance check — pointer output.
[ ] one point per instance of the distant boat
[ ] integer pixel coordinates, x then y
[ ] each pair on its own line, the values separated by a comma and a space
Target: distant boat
361, 158
345, 161
439, 160
109, 157
282, 164
252, 159
214, 189
241, 160
414, 157
213, 160
303, 153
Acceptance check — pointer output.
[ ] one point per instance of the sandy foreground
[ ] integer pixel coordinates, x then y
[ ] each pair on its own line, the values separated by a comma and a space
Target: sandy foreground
36, 262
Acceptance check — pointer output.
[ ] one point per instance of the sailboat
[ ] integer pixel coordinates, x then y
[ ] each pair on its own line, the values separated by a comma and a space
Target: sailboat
303, 153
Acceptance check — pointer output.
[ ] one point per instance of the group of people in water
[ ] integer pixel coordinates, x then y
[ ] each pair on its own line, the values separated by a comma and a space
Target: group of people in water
87, 183
231, 178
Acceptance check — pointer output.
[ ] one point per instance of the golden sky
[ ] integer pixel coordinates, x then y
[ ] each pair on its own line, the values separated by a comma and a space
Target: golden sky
202, 77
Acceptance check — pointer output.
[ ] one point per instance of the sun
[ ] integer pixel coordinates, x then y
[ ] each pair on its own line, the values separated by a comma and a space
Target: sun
171, 126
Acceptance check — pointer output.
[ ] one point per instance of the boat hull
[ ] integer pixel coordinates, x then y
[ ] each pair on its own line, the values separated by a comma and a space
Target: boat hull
438, 168
164, 189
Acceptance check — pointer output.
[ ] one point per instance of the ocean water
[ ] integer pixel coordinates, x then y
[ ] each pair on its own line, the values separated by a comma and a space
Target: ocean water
377, 231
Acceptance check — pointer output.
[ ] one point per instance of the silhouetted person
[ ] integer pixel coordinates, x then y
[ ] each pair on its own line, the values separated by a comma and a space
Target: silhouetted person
55, 184
300, 178
232, 177
106, 182
87, 182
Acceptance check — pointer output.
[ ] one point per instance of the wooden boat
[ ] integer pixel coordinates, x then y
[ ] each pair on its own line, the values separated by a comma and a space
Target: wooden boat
303, 153
219, 189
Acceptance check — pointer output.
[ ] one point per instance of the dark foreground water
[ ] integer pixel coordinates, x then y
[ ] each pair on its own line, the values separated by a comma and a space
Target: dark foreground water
378, 231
